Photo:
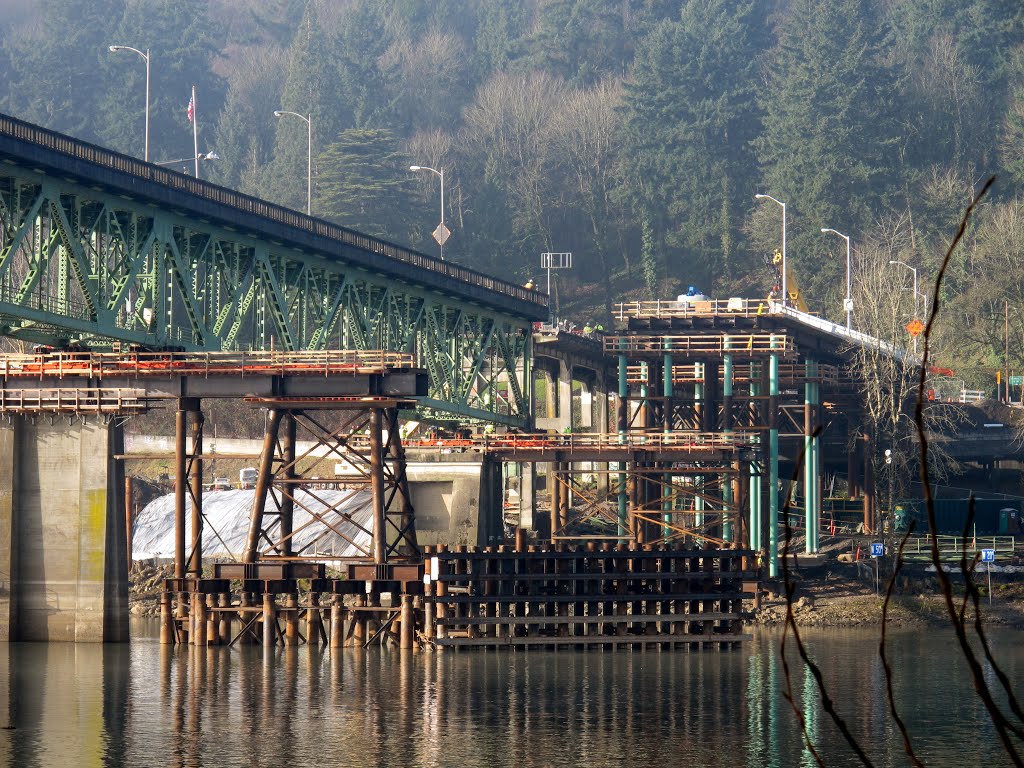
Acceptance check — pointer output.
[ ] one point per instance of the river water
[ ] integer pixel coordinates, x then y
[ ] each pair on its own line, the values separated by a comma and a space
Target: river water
143, 704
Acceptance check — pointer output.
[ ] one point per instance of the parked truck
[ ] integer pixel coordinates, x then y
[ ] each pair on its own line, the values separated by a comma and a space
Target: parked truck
247, 477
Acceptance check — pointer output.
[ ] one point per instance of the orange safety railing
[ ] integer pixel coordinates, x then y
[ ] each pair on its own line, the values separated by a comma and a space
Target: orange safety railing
102, 364
687, 372
680, 440
669, 308
668, 343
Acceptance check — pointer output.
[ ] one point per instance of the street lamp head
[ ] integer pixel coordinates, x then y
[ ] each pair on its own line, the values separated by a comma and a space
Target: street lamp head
758, 196
415, 168
115, 48
278, 113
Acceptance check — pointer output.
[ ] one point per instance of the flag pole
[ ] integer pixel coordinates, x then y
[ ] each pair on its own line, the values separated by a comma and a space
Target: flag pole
195, 130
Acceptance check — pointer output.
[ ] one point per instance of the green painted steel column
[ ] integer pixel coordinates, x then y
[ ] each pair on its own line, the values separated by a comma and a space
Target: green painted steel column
755, 466
810, 470
773, 464
755, 506
698, 501
812, 479
699, 405
727, 495
622, 421
699, 394
666, 378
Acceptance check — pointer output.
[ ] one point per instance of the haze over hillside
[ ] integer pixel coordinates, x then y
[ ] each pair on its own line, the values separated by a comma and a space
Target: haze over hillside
634, 135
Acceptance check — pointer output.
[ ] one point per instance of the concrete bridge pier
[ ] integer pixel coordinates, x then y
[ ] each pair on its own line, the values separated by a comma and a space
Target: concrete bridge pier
63, 568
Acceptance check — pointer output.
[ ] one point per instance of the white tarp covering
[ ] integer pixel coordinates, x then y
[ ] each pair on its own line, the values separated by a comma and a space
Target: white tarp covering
227, 524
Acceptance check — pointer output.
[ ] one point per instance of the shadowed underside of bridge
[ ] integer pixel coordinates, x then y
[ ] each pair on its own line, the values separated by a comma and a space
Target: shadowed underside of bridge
98, 248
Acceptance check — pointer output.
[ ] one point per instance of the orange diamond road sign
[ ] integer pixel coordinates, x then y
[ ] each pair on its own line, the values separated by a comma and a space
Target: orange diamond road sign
914, 327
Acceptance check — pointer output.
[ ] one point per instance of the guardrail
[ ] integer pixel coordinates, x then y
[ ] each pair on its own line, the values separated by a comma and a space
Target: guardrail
100, 364
81, 150
777, 343
669, 308
679, 440
788, 372
953, 547
62, 400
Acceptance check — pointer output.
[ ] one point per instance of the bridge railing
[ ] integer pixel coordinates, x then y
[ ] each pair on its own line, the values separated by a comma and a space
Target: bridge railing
91, 153
669, 308
100, 364
789, 373
699, 344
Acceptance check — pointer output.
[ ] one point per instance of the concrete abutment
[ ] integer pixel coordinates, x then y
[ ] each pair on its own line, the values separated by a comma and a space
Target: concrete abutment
63, 558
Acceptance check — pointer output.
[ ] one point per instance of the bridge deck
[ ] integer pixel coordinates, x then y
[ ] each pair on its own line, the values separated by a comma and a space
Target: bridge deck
101, 381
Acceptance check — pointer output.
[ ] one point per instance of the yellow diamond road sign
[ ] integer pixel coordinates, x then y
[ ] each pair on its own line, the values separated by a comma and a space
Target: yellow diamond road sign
914, 327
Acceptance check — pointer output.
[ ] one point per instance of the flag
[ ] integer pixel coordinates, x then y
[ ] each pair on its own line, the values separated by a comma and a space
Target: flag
191, 108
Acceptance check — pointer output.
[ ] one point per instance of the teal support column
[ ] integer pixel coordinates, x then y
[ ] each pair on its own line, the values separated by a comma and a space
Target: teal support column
755, 506
698, 501
773, 465
727, 495
812, 477
698, 394
666, 388
622, 421
755, 466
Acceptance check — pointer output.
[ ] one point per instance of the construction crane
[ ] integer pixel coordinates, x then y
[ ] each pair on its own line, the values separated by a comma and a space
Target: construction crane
795, 298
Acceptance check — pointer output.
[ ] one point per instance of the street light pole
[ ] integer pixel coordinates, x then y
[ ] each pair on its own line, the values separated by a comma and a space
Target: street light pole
308, 119
441, 174
115, 49
914, 270
849, 298
785, 294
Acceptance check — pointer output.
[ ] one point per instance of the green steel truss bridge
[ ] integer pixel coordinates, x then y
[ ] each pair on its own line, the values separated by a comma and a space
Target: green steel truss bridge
99, 249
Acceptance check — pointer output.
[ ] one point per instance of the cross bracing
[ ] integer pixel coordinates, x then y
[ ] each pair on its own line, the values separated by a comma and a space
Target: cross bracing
98, 248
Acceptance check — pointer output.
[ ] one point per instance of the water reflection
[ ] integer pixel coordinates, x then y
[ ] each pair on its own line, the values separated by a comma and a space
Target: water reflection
147, 704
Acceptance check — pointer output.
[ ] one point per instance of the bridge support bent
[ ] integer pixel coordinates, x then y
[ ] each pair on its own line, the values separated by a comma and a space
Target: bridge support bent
62, 531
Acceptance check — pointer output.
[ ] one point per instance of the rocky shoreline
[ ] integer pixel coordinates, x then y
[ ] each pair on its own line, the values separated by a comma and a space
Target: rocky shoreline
831, 601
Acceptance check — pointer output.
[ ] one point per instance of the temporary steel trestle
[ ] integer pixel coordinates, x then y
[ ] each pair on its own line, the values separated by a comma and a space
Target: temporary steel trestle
367, 442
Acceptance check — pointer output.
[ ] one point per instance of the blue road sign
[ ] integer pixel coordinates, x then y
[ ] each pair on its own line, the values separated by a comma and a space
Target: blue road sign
877, 549
988, 555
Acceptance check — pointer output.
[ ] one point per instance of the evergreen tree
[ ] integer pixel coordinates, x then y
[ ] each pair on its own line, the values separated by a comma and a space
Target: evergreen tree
277, 18
362, 84
57, 66
245, 130
690, 119
958, 55
1011, 140
500, 40
579, 41
365, 183
182, 48
828, 146
308, 91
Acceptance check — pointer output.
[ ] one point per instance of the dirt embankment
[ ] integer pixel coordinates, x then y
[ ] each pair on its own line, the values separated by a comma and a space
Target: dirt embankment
830, 600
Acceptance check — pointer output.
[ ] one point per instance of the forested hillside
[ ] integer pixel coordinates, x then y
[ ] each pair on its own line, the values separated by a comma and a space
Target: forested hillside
633, 133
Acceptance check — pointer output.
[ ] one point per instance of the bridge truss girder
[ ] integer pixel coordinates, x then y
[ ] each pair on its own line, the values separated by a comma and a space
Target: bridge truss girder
80, 264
